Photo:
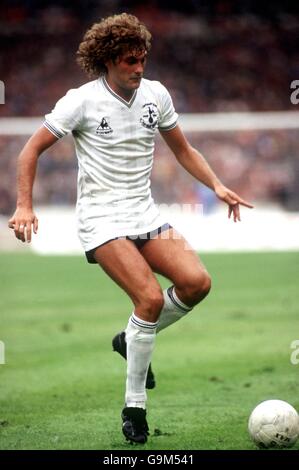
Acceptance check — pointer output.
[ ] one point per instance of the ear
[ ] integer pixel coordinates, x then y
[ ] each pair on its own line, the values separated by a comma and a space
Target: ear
108, 64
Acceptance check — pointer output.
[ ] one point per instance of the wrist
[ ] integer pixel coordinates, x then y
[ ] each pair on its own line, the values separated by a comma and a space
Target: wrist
24, 205
217, 184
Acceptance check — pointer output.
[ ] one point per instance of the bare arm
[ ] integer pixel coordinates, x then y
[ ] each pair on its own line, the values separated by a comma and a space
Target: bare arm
198, 167
23, 219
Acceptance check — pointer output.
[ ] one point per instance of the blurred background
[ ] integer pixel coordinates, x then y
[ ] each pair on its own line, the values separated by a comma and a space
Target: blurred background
229, 66
217, 58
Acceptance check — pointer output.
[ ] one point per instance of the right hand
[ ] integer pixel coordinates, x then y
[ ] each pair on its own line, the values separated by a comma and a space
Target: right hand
21, 222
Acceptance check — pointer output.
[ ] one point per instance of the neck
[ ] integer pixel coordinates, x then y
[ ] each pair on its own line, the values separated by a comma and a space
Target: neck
122, 92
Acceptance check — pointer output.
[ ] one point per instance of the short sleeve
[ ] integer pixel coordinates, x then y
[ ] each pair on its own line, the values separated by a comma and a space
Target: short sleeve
168, 117
67, 114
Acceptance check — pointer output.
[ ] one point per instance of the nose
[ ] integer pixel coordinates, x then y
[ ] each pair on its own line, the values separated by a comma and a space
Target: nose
139, 68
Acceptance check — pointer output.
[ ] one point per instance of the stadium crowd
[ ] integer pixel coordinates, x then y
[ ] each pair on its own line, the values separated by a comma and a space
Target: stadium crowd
209, 62
231, 62
262, 165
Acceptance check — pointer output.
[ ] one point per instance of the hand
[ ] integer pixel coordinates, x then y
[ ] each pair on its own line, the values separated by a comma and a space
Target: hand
21, 222
233, 200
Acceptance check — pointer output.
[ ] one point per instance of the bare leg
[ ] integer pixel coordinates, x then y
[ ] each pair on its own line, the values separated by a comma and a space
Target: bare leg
125, 265
169, 257
122, 261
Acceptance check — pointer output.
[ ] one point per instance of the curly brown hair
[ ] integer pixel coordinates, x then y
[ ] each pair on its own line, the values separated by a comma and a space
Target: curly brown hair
109, 39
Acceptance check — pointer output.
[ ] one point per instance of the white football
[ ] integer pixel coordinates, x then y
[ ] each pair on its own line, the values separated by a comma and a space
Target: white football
274, 423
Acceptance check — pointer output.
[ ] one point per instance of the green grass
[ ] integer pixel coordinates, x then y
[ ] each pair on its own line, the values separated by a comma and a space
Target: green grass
62, 387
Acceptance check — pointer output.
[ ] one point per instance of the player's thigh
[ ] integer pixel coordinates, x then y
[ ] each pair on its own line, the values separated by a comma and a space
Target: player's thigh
123, 263
171, 255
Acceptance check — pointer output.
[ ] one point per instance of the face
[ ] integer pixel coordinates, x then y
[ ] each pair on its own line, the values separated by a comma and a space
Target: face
124, 74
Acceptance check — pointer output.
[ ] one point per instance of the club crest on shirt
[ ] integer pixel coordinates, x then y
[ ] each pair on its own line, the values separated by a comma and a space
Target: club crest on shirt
104, 127
149, 117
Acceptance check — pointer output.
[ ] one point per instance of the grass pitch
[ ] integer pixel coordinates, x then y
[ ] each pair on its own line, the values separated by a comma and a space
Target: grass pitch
62, 387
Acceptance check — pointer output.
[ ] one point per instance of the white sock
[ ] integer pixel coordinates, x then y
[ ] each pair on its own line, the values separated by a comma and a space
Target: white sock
140, 338
173, 309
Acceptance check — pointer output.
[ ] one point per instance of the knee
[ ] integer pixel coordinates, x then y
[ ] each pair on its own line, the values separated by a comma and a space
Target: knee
206, 283
197, 287
150, 304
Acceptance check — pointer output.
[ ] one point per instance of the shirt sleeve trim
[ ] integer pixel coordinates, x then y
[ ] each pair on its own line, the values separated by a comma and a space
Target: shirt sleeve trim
53, 129
168, 128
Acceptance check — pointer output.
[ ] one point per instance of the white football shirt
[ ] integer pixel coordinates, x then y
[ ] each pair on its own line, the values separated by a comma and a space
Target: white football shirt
114, 142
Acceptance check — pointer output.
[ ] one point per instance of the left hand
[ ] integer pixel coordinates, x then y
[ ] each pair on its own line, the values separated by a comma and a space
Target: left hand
233, 200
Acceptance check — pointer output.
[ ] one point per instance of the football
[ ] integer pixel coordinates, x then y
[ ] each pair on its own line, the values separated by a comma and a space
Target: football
274, 423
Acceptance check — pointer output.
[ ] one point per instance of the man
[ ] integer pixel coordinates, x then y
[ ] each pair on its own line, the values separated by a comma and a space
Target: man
113, 120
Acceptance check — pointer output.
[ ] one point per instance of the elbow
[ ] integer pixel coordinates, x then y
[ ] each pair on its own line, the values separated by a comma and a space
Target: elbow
185, 154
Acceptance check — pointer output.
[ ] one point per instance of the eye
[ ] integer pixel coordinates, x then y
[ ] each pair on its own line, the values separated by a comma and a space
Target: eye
131, 61
134, 60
